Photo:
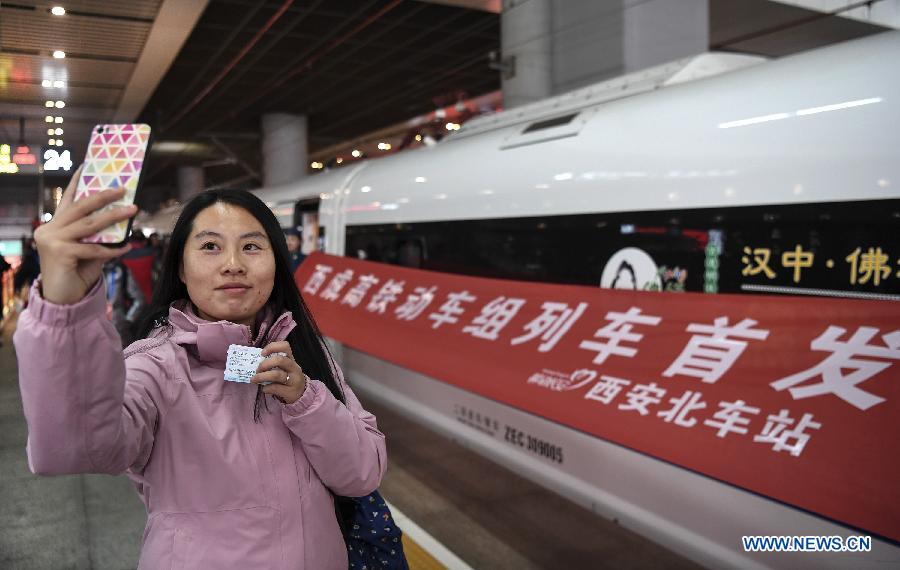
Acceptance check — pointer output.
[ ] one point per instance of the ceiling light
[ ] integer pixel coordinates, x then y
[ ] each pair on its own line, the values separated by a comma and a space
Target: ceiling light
48, 103
50, 132
418, 138
59, 131
59, 54
51, 142
58, 11
356, 153
59, 83
48, 119
339, 160
59, 142
58, 119
46, 83
452, 126
60, 104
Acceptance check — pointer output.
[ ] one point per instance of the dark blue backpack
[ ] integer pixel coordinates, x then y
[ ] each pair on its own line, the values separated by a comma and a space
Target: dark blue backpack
373, 539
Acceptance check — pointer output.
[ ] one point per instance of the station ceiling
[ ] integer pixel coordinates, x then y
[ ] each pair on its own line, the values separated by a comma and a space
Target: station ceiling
202, 72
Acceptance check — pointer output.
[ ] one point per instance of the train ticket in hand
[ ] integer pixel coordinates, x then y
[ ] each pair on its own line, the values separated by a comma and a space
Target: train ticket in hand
242, 361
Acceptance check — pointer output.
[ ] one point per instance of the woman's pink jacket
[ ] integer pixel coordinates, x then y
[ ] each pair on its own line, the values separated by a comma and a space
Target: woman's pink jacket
221, 490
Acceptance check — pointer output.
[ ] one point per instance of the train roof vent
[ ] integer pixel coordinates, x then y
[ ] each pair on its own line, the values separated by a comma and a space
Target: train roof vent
574, 102
558, 127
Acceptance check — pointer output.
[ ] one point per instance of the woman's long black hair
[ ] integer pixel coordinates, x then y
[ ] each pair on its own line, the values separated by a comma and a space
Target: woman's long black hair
307, 344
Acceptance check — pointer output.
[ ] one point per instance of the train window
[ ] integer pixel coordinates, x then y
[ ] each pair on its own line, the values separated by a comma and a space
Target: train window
849, 249
549, 123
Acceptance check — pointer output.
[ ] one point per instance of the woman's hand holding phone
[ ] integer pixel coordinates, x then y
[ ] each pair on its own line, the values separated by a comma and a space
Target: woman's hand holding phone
70, 268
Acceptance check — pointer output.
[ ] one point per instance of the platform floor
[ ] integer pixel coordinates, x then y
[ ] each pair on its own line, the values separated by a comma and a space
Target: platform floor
483, 513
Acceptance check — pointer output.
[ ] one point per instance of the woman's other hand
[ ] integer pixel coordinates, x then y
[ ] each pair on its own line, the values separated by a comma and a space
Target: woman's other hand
287, 378
70, 268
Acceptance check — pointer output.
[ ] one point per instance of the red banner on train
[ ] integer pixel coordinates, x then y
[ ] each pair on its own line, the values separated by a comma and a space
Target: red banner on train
797, 399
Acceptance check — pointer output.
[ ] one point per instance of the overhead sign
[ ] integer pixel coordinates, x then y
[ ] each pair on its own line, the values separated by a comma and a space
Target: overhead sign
57, 160
797, 399
17, 160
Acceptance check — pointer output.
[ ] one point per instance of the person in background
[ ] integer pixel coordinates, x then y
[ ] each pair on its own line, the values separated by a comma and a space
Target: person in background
294, 249
155, 242
28, 270
4, 267
124, 299
234, 475
140, 261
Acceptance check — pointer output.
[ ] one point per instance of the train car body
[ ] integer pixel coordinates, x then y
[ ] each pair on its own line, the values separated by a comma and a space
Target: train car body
703, 179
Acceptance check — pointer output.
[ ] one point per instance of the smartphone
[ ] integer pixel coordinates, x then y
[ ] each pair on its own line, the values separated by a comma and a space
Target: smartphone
115, 159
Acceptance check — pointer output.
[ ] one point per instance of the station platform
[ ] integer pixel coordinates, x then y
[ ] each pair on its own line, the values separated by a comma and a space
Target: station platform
457, 509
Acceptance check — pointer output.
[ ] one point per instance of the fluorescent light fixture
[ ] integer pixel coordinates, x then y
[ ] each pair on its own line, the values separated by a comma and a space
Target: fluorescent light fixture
46, 83
59, 54
365, 189
421, 179
58, 11
58, 83
838, 106
754, 120
564, 176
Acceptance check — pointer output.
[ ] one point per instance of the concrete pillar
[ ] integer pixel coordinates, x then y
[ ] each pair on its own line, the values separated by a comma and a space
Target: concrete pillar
556, 46
526, 42
284, 148
191, 182
661, 31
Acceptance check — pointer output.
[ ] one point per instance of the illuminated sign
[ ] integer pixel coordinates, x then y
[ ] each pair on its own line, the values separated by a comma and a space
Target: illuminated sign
57, 159
23, 156
7, 166
22, 161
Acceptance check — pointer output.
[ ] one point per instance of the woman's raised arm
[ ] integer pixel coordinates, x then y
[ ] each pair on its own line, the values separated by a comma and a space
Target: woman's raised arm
70, 268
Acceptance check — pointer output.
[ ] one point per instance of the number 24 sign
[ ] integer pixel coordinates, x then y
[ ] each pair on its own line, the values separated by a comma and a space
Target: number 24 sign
54, 160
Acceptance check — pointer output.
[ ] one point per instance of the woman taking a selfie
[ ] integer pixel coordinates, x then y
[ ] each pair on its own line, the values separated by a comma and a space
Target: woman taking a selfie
233, 475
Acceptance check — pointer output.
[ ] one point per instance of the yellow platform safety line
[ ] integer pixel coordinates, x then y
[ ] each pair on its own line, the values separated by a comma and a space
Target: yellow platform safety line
419, 558
423, 552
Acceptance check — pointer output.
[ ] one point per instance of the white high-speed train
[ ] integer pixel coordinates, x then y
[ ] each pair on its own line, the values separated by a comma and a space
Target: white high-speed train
648, 182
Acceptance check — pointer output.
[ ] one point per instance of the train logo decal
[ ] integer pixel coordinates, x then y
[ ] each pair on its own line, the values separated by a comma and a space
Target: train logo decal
561, 381
631, 268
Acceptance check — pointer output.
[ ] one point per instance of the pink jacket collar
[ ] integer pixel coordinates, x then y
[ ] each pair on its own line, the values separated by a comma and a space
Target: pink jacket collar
211, 338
